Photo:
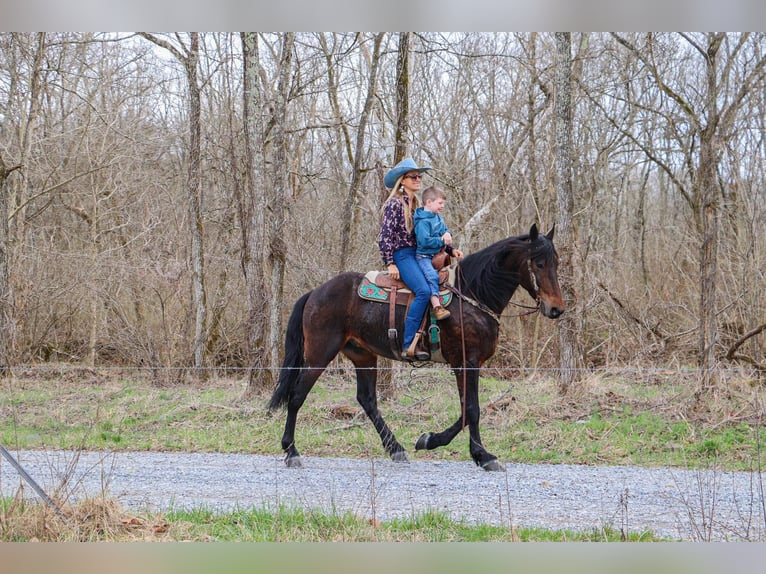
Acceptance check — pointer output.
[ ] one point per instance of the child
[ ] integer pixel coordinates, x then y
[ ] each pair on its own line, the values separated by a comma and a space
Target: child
433, 236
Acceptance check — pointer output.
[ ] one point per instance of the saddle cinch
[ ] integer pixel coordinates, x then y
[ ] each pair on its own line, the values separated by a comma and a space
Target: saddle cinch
379, 286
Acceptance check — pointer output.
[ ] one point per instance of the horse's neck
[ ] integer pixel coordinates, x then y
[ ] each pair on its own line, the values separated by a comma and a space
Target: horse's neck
495, 296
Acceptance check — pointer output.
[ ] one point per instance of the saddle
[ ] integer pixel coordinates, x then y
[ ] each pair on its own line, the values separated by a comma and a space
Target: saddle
379, 286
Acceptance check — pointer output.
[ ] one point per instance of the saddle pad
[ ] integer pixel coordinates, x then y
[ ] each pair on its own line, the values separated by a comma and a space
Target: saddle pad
372, 292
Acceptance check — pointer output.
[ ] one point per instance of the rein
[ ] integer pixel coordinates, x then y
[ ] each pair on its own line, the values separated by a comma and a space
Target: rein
482, 307
462, 342
474, 302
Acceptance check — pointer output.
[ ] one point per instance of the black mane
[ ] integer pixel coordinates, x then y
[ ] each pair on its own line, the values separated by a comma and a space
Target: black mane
492, 275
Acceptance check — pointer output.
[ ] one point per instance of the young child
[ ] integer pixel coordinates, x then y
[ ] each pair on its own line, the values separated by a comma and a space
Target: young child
433, 236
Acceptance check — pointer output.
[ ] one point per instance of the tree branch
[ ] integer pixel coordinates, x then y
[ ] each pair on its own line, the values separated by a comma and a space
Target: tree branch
662, 85
53, 188
164, 44
732, 354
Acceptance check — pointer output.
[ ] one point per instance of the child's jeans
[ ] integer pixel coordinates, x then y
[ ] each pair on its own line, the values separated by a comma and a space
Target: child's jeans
432, 275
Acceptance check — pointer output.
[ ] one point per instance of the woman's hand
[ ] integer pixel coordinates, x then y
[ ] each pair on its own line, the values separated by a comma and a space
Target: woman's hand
393, 271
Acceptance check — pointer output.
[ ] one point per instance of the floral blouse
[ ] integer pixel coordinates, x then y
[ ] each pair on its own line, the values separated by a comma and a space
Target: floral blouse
393, 232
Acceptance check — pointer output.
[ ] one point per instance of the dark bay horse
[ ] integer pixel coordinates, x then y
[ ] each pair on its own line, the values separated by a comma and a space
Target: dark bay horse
333, 319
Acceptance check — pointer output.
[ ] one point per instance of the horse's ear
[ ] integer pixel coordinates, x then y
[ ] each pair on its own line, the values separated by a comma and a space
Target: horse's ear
533, 232
549, 235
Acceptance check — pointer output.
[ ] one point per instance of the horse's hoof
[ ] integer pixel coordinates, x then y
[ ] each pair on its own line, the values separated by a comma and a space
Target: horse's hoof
422, 443
294, 462
493, 465
400, 456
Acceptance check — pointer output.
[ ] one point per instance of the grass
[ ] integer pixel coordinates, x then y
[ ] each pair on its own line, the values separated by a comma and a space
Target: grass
605, 420
99, 519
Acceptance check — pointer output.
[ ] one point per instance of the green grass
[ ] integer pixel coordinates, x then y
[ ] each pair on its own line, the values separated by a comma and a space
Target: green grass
102, 520
604, 420
306, 526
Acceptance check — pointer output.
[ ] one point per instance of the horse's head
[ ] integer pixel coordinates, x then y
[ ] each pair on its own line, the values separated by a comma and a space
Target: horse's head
541, 279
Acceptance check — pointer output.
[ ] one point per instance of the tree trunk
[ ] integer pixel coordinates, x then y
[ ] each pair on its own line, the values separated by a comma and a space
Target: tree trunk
194, 189
401, 150
252, 205
189, 59
402, 97
568, 335
6, 298
709, 213
278, 201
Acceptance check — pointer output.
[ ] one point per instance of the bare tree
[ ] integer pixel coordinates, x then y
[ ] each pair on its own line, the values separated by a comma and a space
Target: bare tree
188, 56
570, 359
278, 195
349, 204
401, 150
711, 119
6, 299
17, 193
20, 194
252, 206
402, 134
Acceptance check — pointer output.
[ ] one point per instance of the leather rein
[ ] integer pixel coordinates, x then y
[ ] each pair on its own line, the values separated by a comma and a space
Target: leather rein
482, 307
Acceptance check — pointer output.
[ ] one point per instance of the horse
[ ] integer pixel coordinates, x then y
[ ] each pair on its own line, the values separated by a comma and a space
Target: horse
332, 319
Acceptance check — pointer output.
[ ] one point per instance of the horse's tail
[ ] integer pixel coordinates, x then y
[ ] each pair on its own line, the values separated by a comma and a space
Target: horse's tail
293, 363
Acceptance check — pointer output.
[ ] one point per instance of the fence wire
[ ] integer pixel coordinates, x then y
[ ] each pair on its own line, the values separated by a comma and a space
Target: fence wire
344, 367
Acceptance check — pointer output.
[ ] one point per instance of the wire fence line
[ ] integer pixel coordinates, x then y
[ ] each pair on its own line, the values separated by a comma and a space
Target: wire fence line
346, 367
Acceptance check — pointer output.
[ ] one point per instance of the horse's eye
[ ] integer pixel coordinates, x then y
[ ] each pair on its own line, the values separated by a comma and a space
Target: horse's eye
540, 264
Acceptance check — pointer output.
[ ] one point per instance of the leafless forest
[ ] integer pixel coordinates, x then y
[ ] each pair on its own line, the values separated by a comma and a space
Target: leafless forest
164, 198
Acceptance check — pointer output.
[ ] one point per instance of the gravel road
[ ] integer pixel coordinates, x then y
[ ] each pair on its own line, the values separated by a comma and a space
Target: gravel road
685, 505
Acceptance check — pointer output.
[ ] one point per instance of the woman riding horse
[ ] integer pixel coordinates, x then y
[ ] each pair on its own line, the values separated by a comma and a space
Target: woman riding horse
333, 319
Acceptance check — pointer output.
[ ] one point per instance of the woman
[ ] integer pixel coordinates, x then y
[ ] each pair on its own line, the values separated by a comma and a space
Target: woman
397, 245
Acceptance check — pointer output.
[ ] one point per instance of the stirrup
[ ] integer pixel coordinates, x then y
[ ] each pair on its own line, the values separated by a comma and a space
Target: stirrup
416, 355
413, 353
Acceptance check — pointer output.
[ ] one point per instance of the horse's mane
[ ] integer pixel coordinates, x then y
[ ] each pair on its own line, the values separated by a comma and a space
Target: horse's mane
491, 275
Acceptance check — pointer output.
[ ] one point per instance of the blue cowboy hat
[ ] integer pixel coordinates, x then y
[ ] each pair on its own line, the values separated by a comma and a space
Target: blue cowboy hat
405, 166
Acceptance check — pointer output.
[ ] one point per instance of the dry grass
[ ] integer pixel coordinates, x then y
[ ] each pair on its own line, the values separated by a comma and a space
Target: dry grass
90, 520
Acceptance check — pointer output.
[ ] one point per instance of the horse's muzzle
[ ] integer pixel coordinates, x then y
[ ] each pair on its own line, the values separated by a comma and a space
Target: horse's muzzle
552, 312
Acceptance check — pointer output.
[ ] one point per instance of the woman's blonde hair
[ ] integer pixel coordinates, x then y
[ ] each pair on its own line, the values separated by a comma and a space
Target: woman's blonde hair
398, 192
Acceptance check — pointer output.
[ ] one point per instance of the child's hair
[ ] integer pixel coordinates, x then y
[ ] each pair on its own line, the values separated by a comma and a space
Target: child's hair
433, 192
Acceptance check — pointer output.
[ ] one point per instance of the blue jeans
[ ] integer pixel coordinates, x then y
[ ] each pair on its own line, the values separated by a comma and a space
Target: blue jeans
432, 275
413, 276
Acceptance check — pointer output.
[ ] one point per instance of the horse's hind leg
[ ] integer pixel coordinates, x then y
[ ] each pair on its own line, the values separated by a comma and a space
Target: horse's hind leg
317, 358
298, 397
366, 378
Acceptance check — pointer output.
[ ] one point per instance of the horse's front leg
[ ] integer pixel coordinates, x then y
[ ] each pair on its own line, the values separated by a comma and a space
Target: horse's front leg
468, 390
470, 382
366, 378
